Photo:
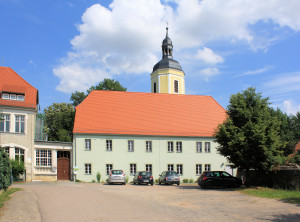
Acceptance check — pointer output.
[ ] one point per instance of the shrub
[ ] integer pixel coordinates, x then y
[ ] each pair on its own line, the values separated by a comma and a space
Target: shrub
185, 180
93, 181
107, 180
127, 178
98, 177
4, 170
191, 180
17, 167
156, 181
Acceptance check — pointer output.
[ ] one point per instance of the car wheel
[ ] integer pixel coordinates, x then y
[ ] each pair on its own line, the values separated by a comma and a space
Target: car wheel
151, 184
124, 183
178, 184
209, 186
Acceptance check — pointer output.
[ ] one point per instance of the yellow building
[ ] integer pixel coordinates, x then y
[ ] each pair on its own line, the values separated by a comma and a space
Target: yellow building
167, 75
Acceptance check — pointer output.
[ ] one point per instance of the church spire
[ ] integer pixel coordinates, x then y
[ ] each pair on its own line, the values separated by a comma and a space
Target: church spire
167, 46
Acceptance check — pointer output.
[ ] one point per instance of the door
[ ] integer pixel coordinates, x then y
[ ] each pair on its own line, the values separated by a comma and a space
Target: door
63, 165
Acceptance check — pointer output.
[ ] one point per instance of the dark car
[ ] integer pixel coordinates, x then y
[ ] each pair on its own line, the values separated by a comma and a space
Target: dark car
169, 177
210, 179
143, 177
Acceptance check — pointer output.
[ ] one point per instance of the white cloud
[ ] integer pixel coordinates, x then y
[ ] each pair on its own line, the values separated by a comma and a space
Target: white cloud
257, 71
208, 73
126, 37
208, 56
290, 107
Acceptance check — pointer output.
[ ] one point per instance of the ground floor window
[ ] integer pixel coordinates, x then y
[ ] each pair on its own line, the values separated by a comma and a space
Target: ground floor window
109, 167
88, 169
149, 167
43, 158
132, 169
170, 167
19, 154
179, 169
207, 167
6, 150
198, 169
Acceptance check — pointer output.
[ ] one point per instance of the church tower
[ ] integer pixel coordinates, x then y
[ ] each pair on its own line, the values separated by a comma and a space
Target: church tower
167, 75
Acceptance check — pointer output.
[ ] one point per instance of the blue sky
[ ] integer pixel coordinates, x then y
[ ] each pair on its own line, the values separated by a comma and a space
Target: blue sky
223, 46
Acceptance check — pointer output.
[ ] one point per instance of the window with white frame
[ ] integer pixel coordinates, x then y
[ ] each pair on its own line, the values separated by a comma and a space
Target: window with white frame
149, 167
19, 154
13, 97
88, 144
88, 168
148, 146
43, 158
108, 145
5, 124
207, 147
199, 147
109, 167
179, 169
170, 167
176, 86
130, 145
207, 167
198, 169
20, 97
179, 147
20, 124
132, 169
5, 96
6, 150
170, 147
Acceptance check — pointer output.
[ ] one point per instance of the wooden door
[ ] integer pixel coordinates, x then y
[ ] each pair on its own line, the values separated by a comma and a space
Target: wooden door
63, 168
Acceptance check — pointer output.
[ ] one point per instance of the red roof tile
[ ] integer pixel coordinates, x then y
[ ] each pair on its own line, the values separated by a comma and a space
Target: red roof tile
130, 113
10, 81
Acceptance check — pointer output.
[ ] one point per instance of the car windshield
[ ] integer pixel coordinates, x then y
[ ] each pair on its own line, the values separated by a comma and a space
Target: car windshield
171, 174
117, 172
145, 173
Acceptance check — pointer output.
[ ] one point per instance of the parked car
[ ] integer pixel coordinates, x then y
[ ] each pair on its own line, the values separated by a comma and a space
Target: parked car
144, 177
169, 177
116, 176
210, 179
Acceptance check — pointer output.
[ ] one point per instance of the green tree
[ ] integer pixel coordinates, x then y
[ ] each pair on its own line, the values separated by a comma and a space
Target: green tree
59, 121
4, 170
18, 168
250, 137
106, 84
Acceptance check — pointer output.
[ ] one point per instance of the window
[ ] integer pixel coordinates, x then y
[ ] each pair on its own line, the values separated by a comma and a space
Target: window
108, 145
130, 145
109, 167
13, 96
198, 169
88, 144
170, 167
170, 147
88, 169
198, 147
148, 146
43, 158
20, 124
5, 125
207, 167
132, 169
19, 154
20, 97
179, 169
179, 147
176, 86
154, 87
149, 167
5, 96
207, 147
6, 150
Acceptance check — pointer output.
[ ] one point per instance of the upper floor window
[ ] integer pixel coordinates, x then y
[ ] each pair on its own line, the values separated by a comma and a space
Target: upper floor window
148, 146
108, 145
198, 147
5, 125
88, 144
154, 87
207, 147
5, 96
20, 124
130, 145
179, 147
13, 96
43, 158
170, 147
19, 154
176, 86
20, 97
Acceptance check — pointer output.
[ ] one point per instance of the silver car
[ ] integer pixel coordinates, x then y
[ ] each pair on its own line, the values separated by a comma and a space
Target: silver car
116, 176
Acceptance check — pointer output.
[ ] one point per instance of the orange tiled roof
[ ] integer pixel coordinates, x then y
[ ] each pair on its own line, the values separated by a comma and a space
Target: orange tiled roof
130, 113
10, 81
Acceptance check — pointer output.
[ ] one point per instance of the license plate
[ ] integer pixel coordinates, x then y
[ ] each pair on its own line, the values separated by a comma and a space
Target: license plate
146, 181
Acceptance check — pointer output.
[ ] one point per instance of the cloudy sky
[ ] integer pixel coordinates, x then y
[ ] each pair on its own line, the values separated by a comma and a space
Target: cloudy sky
224, 47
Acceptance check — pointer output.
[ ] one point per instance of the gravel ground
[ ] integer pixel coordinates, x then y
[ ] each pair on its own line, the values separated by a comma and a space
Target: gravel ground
69, 201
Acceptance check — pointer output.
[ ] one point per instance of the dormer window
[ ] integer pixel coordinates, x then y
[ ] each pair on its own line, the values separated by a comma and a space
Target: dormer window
5, 96
20, 97
13, 97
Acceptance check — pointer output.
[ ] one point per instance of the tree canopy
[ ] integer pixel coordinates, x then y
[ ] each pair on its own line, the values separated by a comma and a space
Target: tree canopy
250, 137
59, 121
106, 84
4, 170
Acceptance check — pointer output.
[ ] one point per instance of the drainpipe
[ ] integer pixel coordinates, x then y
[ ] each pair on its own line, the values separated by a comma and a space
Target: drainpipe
74, 156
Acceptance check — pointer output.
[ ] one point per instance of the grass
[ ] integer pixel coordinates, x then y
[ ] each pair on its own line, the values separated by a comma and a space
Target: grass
283, 195
5, 195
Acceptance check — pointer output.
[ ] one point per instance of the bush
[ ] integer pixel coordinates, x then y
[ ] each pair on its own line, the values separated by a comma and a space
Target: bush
17, 167
127, 178
107, 180
156, 181
191, 180
4, 170
93, 181
98, 177
185, 180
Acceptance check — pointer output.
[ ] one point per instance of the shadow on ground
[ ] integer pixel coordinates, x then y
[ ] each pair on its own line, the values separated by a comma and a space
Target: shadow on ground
286, 217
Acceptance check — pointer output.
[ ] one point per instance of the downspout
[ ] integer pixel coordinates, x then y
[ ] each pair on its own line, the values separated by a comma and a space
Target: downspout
74, 142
